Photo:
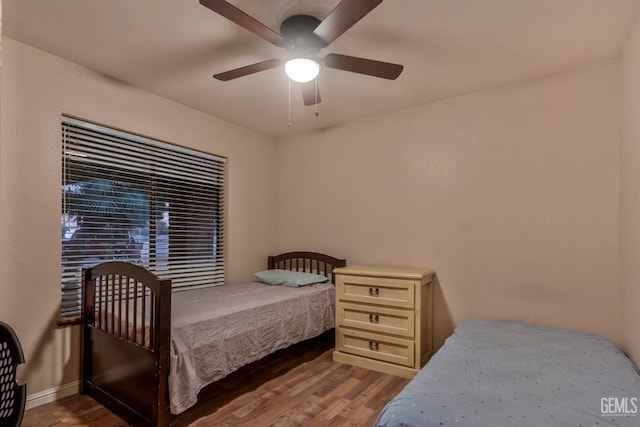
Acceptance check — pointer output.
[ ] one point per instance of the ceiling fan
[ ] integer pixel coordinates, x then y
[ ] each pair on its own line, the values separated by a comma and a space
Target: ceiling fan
303, 36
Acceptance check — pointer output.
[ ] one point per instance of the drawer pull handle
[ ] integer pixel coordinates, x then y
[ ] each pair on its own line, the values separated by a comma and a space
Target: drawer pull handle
374, 318
374, 292
373, 345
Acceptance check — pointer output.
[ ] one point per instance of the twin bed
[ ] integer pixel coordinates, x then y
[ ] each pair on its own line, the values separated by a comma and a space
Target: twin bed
147, 352
506, 373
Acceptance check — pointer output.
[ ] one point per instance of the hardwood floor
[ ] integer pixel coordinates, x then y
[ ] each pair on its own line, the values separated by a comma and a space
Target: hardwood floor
298, 386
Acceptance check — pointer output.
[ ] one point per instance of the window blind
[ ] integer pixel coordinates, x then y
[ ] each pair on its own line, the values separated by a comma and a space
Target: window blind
130, 198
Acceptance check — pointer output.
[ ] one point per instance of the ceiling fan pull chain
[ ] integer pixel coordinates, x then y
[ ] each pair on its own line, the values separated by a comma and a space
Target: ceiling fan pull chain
289, 124
316, 114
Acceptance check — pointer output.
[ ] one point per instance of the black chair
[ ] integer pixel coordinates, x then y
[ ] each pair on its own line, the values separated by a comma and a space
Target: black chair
12, 396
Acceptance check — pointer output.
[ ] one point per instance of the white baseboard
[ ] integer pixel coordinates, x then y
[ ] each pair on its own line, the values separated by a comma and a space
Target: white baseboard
52, 394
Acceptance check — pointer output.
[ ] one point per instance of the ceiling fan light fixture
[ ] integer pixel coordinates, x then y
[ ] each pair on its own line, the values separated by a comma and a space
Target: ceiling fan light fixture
302, 70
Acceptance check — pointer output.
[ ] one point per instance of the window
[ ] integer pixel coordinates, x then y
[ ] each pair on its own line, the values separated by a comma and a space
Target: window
131, 198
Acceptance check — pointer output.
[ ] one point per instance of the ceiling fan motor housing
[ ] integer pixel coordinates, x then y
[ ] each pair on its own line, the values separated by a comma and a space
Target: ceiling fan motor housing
300, 41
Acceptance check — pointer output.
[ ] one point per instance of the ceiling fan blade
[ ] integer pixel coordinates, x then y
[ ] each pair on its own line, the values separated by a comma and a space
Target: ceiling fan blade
385, 70
240, 18
343, 17
310, 93
249, 69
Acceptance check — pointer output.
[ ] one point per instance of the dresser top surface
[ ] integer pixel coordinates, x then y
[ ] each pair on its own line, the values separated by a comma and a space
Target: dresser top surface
392, 272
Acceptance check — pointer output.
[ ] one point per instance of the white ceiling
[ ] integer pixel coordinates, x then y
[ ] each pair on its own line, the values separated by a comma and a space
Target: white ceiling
448, 48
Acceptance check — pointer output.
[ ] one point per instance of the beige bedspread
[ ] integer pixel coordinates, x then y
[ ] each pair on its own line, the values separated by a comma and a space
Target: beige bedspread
217, 330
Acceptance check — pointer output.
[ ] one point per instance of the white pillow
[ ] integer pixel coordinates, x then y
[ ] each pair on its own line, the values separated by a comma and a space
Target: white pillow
295, 279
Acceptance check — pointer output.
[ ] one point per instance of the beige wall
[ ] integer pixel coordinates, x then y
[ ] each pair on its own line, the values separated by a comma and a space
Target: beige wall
37, 89
630, 199
511, 195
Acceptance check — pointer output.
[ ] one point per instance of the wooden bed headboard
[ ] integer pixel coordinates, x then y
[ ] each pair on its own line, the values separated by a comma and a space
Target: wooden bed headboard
310, 262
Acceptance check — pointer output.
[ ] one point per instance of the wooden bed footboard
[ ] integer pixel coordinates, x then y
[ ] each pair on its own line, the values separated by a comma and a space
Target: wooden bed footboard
126, 334
125, 341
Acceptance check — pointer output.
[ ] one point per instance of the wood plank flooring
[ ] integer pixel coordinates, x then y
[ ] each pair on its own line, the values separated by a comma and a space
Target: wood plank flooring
298, 386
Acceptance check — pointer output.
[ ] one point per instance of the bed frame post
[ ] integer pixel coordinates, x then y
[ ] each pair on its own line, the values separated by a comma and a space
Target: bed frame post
162, 359
88, 318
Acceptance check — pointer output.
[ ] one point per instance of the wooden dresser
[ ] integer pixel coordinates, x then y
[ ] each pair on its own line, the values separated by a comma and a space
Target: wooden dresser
384, 318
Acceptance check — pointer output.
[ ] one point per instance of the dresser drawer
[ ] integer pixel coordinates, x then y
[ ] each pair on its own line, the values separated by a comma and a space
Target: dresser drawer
374, 346
377, 319
373, 290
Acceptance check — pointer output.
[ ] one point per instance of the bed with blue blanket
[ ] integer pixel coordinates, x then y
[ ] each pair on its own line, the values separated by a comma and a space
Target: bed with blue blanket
506, 373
